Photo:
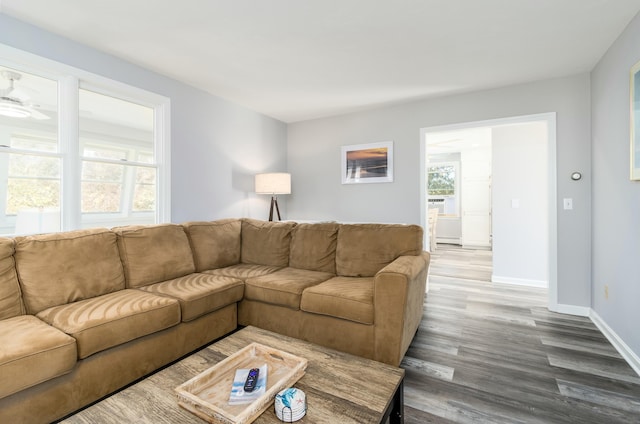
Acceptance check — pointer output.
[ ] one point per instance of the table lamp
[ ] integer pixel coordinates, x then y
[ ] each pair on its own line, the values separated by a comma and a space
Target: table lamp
273, 184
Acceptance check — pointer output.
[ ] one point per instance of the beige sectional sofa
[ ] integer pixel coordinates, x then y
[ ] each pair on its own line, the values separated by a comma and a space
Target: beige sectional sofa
83, 313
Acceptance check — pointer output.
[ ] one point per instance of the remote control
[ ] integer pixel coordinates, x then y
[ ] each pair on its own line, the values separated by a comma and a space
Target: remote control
252, 379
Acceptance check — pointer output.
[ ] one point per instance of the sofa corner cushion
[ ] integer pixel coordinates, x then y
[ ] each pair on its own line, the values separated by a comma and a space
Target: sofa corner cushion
59, 268
11, 304
200, 294
31, 352
112, 319
313, 246
215, 244
266, 243
349, 298
243, 271
154, 253
283, 287
364, 249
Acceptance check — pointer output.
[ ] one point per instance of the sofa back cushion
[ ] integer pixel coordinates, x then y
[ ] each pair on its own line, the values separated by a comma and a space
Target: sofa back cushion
313, 247
60, 268
10, 297
215, 244
364, 249
265, 242
154, 253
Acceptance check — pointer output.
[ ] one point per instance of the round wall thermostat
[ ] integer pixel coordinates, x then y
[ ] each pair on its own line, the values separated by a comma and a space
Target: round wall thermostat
575, 176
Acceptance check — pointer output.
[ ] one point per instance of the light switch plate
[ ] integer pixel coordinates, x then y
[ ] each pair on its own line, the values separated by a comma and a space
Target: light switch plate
568, 203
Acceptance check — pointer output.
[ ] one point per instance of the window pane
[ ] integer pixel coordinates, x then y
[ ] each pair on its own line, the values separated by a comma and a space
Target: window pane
101, 197
101, 187
35, 142
97, 171
144, 198
21, 165
30, 185
145, 157
90, 151
442, 180
109, 124
113, 129
32, 182
32, 193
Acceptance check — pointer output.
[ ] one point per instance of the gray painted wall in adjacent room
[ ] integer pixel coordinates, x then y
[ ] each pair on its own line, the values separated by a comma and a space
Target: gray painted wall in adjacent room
314, 162
520, 232
216, 146
616, 199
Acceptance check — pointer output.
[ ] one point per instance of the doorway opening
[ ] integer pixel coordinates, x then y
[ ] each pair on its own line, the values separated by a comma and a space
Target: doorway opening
493, 184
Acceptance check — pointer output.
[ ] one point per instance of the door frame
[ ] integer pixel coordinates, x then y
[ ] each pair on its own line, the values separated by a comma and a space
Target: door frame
550, 119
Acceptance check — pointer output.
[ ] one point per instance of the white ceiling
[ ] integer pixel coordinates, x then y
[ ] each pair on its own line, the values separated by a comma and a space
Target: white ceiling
458, 140
301, 59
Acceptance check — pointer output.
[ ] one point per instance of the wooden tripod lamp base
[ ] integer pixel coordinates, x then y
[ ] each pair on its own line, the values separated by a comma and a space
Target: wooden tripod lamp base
274, 201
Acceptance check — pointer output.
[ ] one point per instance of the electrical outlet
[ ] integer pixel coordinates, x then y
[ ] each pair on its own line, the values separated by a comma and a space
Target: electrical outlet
606, 292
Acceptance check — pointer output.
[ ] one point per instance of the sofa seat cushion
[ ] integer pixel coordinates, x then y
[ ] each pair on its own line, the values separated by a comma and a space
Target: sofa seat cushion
112, 319
200, 294
283, 287
349, 298
243, 271
31, 352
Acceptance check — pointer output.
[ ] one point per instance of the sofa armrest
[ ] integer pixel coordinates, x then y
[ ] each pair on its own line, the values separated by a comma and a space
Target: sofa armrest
399, 290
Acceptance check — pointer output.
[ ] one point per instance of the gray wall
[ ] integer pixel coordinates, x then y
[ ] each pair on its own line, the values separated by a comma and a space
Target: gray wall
520, 232
616, 199
314, 162
216, 146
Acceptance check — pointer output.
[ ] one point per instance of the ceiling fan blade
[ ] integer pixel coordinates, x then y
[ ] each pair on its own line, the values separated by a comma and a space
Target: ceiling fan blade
35, 114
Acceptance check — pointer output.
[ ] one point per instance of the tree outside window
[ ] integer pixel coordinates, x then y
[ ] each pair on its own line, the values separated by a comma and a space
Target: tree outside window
442, 180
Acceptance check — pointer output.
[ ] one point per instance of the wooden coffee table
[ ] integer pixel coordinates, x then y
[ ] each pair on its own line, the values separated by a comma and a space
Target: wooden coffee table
340, 388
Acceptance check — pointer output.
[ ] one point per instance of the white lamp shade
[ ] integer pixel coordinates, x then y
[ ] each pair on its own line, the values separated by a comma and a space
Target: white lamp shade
273, 183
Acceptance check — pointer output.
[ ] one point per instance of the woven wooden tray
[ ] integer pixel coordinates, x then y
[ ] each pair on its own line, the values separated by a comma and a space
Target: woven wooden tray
207, 394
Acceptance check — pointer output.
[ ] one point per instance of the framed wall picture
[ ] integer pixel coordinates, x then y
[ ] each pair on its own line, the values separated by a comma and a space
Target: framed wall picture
367, 163
635, 122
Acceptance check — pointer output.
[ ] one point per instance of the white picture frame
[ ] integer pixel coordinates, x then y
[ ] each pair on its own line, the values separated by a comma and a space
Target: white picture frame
634, 95
367, 163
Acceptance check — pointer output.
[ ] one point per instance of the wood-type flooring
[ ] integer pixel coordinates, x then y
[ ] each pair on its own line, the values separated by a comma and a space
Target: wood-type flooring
493, 353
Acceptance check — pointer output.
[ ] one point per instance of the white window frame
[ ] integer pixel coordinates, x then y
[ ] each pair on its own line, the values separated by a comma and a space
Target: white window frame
70, 80
456, 168
155, 102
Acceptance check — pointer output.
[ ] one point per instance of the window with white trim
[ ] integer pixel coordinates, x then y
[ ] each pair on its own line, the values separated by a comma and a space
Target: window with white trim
79, 151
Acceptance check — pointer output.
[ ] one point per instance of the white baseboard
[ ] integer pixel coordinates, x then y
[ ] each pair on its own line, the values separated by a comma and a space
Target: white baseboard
581, 311
519, 281
448, 240
632, 359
